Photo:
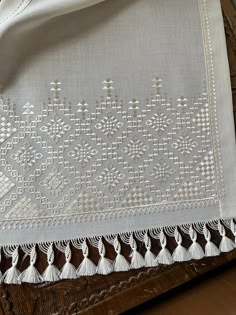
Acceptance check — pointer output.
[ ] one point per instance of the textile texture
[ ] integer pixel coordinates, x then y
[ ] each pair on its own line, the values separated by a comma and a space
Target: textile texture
116, 126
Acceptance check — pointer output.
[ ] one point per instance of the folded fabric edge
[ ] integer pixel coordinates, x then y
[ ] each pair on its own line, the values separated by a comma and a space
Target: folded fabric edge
161, 237
40, 13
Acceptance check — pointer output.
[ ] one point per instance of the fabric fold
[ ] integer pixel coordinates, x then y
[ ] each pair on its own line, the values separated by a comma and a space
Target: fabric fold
33, 13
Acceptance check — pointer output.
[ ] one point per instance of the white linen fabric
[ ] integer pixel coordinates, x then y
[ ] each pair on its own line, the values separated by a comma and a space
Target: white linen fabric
116, 126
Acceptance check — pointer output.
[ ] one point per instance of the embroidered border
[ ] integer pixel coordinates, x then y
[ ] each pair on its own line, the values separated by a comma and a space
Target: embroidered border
56, 219
209, 59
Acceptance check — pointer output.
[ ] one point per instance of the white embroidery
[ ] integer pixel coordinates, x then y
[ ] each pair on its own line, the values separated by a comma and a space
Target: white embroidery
121, 159
115, 155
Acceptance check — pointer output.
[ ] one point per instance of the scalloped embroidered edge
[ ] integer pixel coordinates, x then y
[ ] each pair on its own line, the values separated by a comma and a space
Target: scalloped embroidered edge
136, 240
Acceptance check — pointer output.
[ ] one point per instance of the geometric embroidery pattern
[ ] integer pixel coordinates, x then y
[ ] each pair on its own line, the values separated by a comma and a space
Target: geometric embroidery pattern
116, 157
5, 185
55, 128
159, 122
135, 148
162, 171
26, 156
110, 177
83, 203
137, 197
6, 129
83, 153
25, 208
184, 144
207, 168
55, 182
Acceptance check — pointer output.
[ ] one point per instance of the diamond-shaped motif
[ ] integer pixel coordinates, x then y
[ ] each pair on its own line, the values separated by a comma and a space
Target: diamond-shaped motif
5, 185
25, 208
55, 182
207, 168
26, 156
189, 191
202, 118
159, 122
184, 144
137, 197
109, 125
110, 177
83, 203
6, 129
135, 148
83, 152
55, 128
161, 171
160, 153
182, 102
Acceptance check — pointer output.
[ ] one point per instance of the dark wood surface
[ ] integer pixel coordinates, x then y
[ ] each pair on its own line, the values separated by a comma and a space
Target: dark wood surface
211, 294
117, 292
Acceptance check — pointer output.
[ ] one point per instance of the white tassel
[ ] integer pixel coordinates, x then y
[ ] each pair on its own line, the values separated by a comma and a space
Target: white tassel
180, 253
164, 257
233, 230
195, 250
68, 271
31, 274
150, 259
51, 273
210, 248
104, 266
87, 267
120, 263
137, 260
226, 244
12, 274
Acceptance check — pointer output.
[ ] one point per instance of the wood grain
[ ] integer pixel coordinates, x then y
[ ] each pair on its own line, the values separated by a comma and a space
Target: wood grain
117, 292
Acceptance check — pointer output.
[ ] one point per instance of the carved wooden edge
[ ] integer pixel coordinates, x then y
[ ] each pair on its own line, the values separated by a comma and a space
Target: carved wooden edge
108, 295
152, 283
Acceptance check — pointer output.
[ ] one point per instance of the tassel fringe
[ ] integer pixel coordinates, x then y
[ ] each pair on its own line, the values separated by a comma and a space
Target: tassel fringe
155, 238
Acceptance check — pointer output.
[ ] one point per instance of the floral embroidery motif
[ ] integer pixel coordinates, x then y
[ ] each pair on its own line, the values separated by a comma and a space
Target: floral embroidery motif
55, 128
110, 177
55, 182
159, 122
184, 144
162, 171
114, 158
109, 125
26, 156
135, 148
83, 153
